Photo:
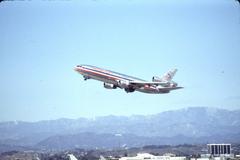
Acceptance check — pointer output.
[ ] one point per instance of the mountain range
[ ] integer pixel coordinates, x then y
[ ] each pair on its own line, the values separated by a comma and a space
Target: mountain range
192, 125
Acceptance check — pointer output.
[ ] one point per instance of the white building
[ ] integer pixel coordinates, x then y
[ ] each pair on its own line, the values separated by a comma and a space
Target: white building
219, 149
144, 156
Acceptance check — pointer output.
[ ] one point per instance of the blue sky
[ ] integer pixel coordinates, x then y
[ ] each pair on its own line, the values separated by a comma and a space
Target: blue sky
41, 42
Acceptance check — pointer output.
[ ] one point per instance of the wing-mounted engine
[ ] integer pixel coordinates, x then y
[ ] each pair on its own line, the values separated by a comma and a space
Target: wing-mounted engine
123, 84
109, 86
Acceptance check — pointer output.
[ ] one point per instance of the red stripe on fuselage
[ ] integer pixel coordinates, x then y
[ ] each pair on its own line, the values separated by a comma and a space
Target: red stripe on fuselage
111, 77
85, 70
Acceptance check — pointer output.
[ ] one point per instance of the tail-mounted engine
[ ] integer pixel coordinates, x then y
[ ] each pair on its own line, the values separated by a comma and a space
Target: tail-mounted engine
156, 79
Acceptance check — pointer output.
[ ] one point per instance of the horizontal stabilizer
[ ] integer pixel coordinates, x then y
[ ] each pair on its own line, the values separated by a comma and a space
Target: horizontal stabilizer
169, 88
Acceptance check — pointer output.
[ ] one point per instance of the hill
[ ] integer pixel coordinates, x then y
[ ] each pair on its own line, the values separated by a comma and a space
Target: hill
190, 125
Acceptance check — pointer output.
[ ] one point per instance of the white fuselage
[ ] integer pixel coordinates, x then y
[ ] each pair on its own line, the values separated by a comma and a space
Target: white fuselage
107, 76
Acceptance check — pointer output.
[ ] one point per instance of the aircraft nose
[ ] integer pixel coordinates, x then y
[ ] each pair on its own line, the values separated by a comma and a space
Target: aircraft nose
77, 67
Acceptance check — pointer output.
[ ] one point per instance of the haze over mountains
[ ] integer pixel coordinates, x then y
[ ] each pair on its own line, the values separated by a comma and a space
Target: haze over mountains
191, 125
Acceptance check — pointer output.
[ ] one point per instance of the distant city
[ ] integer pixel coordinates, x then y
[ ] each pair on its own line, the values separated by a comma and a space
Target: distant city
161, 152
185, 132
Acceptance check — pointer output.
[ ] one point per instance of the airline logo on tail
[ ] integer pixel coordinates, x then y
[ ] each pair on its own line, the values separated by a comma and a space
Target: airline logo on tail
169, 75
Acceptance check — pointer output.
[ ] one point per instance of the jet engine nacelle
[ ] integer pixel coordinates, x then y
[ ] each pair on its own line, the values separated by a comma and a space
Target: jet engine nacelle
109, 86
123, 84
156, 79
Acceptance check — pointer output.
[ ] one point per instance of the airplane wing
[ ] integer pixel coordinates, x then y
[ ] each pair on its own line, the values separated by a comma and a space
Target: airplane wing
138, 84
142, 83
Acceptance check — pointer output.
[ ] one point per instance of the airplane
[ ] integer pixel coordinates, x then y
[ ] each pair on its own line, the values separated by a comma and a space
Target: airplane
113, 80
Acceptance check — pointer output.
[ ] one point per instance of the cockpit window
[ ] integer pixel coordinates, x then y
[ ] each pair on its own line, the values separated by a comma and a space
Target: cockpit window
78, 66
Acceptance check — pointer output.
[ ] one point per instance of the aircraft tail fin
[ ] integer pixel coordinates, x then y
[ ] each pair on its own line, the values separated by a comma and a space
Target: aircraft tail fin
169, 75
